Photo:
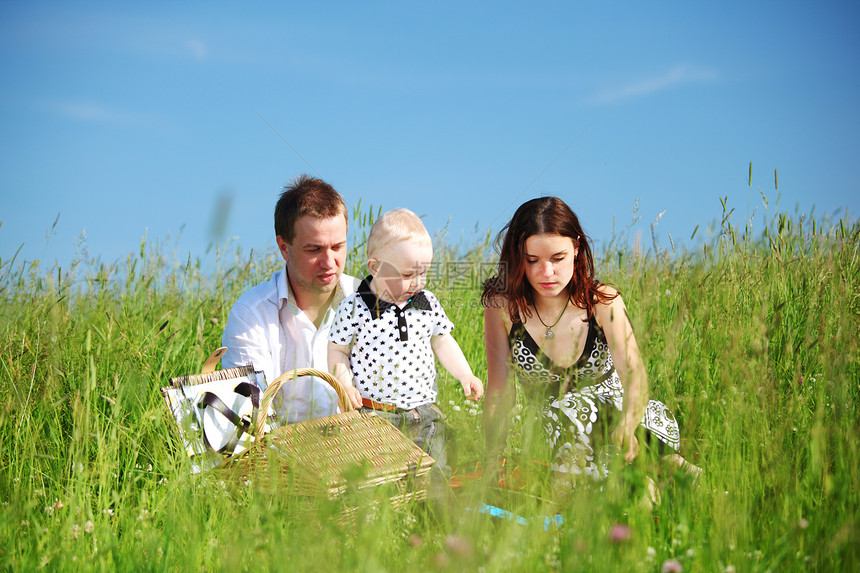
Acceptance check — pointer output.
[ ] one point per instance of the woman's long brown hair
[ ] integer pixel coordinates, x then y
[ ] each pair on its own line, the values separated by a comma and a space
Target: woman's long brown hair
509, 287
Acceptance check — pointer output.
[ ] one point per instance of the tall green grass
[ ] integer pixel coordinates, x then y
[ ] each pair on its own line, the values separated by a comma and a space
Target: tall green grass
751, 340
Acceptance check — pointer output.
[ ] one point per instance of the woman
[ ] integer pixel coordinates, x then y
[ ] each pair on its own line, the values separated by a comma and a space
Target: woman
568, 339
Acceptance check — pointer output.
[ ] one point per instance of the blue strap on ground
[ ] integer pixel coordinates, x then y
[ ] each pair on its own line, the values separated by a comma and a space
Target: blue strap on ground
555, 520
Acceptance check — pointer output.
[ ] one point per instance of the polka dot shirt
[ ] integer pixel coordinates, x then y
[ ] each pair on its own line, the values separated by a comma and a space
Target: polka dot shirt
391, 358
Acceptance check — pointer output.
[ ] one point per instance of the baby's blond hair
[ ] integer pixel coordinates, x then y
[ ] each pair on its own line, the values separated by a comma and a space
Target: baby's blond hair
394, 226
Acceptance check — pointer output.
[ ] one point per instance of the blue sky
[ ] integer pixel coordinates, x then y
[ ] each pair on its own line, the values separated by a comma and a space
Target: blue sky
133, 118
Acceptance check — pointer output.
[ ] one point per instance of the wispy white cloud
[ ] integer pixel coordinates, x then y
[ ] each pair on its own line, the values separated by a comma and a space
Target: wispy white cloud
93, 112
198, 49
118, 30
680, 75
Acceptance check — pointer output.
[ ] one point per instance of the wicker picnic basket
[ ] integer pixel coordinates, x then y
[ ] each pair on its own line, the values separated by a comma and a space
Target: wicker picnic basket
327, 456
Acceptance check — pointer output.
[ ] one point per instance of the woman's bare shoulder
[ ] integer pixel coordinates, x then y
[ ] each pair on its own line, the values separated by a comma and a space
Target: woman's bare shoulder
606, 310
495, 301
608, 291
497, 308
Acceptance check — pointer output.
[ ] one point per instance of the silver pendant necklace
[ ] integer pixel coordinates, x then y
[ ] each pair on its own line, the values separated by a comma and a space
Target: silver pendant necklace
549, 333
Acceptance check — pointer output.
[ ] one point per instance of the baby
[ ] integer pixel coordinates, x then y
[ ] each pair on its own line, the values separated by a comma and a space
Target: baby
384, 337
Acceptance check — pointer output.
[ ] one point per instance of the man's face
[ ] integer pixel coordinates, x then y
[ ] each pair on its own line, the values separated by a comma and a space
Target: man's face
317, 255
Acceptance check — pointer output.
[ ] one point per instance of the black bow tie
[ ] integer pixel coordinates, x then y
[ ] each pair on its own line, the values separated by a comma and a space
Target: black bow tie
378, 306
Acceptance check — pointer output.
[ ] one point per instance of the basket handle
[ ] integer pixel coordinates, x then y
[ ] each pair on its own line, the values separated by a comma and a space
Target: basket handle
273, 389
212, 361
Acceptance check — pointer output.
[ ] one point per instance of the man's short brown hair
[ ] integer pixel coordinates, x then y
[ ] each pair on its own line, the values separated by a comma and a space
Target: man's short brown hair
306, 196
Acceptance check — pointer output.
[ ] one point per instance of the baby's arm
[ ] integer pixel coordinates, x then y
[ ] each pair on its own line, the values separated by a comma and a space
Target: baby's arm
452, 359
338, 364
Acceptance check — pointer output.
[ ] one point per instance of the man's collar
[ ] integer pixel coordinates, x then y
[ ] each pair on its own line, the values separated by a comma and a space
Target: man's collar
378, 306
285, 293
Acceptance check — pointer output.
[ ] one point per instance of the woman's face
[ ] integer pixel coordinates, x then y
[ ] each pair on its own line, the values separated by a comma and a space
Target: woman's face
549, 263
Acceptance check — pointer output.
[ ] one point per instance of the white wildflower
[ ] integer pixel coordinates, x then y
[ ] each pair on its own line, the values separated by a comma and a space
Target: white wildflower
650, 554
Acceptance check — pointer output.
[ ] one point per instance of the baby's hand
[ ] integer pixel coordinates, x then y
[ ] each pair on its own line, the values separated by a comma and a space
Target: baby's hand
473, 387
354, 396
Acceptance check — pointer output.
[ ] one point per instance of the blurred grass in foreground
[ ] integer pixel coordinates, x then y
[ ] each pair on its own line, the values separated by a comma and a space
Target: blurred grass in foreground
752, 341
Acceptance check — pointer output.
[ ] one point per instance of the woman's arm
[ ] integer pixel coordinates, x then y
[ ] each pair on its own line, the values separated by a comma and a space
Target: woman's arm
501, 396
613, 319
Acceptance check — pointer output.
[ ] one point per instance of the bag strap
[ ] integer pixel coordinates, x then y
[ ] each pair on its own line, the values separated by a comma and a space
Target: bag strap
214, 402
249, 391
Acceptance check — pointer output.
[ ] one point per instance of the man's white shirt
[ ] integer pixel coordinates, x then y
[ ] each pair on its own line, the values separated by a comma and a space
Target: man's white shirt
269, 331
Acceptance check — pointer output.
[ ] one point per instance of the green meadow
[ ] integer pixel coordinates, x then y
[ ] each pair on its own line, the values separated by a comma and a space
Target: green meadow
751, 338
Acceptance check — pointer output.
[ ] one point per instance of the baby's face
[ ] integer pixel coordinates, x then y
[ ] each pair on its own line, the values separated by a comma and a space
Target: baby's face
400, 270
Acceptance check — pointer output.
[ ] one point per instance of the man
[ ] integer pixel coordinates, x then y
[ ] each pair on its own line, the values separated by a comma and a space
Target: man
284, 322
